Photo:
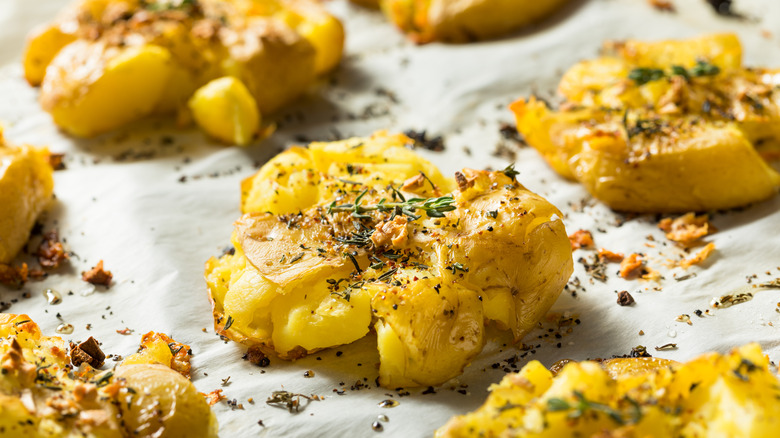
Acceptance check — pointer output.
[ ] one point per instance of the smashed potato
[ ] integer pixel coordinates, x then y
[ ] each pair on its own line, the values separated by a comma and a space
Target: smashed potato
734, 395
43, 395
459, 22
345, 236
670, 126
26, 186
105, 63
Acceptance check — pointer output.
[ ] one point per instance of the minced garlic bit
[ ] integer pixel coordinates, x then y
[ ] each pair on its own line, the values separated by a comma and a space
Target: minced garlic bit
687, 229
581, 239
730, 300
699, 257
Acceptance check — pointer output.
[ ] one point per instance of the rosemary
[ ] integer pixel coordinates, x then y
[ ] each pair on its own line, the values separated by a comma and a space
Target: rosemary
387, 275
228, 323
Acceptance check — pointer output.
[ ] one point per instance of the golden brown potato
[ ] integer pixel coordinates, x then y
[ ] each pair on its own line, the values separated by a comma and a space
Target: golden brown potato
672, 126
105, 63
734, 395
26, 185
343, 236
43, 395
463, 21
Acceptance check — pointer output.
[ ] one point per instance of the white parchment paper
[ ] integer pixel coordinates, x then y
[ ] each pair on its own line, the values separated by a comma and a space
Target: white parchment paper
122, 200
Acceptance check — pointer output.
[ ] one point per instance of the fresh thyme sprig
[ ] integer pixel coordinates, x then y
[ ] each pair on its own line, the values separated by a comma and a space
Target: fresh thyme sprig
644, 75
433, 207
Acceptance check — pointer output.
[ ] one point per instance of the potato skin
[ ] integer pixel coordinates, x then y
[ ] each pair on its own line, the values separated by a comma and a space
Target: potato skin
290, 287
26, 188
714, 395
666, 145
465, 20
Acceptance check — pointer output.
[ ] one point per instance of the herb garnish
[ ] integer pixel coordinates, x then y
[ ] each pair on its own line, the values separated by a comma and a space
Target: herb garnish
583, 405
228, 323
354, 261
644, 75
387, 274
510, 171
169, 5
433, 207
290, 400
103, 380
455, 267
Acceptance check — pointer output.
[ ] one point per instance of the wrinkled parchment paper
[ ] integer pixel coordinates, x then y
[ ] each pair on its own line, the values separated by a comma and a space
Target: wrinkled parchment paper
155, 202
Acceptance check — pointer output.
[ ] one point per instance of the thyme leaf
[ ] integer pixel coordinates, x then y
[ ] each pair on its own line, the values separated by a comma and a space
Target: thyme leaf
510, 171
643, 75
433, 207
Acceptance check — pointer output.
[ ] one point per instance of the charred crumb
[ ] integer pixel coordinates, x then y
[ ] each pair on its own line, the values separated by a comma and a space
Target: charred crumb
420, 139
255, 356
509, 132
56, 161
87, 352
624, 298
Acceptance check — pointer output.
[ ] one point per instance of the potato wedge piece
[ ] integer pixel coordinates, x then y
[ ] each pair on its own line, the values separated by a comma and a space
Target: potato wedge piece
671, 126
464, 21
226, 110
42, 394
359, 232
26, 186
714, 395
